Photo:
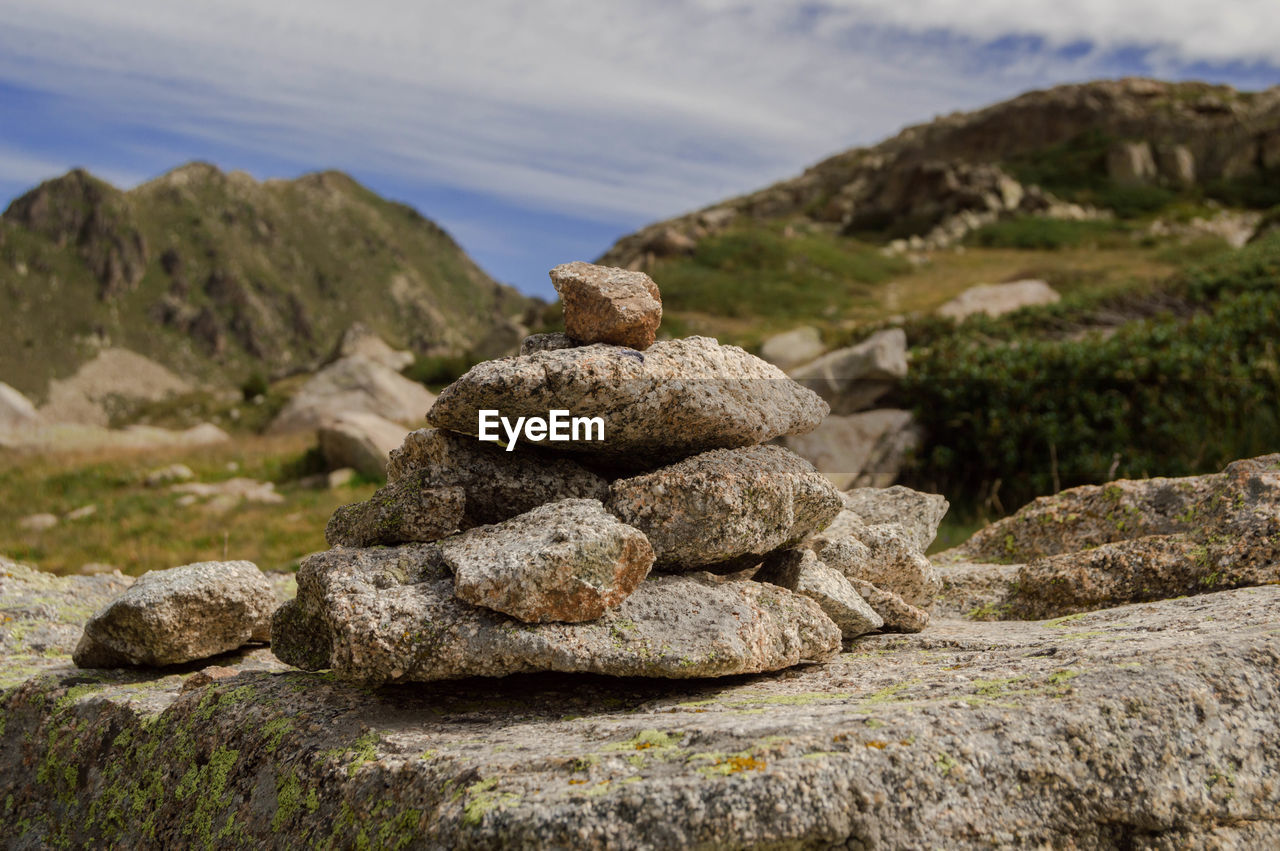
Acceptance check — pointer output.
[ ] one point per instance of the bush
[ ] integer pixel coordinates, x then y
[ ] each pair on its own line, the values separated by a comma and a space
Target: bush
437, 370
1042, 234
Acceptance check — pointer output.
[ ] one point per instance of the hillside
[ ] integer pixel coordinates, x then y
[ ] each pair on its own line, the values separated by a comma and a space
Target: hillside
220, 277
1120, 169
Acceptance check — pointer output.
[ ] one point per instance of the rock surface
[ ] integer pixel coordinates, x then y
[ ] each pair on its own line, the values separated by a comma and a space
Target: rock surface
350, 385
607, 305
547, 343
724, 504
898, 615
360, 339
114, 377
76, 437
360, 441
498, 484
676, 398
1147, 726
918, 514
853, 378
409, 511
16, 410
353, 605
999, 299
859, 450
566, 561
793, 348
800, 571
168, 617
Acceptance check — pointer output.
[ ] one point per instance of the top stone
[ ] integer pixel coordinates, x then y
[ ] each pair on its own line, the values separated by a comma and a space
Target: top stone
603, 304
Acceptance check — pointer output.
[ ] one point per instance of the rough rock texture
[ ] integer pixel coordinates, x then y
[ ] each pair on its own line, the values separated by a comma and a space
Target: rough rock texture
498, 484
177, 615
409, 511
724, 504
547, 343
897, 613
565, 561
607, 305
793, 348
800, 571
919, 514
353, 384
1232, 539
1150, 727
853, 378
859, 450
360, 441
998, 299
674, 399
885, 554
353, 607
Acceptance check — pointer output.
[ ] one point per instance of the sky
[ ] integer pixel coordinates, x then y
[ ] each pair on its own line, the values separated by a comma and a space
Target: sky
539, 131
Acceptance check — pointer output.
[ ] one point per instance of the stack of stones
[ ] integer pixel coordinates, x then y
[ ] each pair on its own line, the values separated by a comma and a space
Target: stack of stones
679, 545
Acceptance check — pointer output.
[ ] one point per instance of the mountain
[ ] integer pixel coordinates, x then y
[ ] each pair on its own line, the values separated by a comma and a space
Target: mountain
1129, 150
219, 276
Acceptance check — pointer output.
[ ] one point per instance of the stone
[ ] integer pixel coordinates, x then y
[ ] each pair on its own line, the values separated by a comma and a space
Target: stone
390, 615
859, 450
999, 299
228, 493
168, 617
918, 514
75, 437
792, 348
168, 475
884, 554
207, 676
1131, 162
98, 387
81, 513
38, 522
352, 384
404, 512
725, 504
853, 378
566, 561
360, 441
498, 484
16, 410
339, 478
675, 399
94, 568
800, 571
547, 343
897, 613
603, 304
361, 340
908, 741
1178, 164
503, 339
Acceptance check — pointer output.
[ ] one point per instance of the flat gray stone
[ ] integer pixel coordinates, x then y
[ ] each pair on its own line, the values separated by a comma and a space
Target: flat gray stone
724, 504
676, 398
565, 561
168, 617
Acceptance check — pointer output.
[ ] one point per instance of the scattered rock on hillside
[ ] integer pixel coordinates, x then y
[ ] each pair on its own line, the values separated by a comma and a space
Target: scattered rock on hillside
352, 384
38, 522
407, 511
800, 571
999, 299
498, 484
547, 343
227, 494
352, 607
859, 450
168, 475
360, 339
168, 617
674, 399
724, 504
16, 410
853, 378
74, 437
793, 348
113, 378
360, 441
608, 305
567, 561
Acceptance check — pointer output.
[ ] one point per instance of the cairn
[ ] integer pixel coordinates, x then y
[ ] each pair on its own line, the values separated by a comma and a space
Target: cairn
672, 541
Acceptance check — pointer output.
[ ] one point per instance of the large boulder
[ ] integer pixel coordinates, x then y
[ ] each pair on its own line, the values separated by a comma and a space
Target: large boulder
676, 398
566, 561
112, 383
999, 299
350, 385
498, 484
603, 304
390, 614
361, 441
853, 378
361, 340
859, 450
725, 504
792, 348
178, 615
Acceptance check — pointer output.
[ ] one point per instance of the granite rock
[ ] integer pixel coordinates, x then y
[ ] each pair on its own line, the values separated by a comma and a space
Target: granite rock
800, 571
567, 561
408, 511
547, 343
897, 613
725, 504
918, 514
603, 304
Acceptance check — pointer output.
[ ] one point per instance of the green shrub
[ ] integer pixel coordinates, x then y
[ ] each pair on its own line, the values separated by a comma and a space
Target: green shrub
1042, 234
437, 370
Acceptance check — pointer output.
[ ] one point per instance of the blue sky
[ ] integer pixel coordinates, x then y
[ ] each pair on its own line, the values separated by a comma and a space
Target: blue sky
538, 132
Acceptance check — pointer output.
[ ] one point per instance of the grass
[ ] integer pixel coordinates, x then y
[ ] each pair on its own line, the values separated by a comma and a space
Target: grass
137, 528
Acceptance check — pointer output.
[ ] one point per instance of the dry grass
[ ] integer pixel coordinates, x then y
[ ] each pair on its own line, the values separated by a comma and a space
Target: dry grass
138, 528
